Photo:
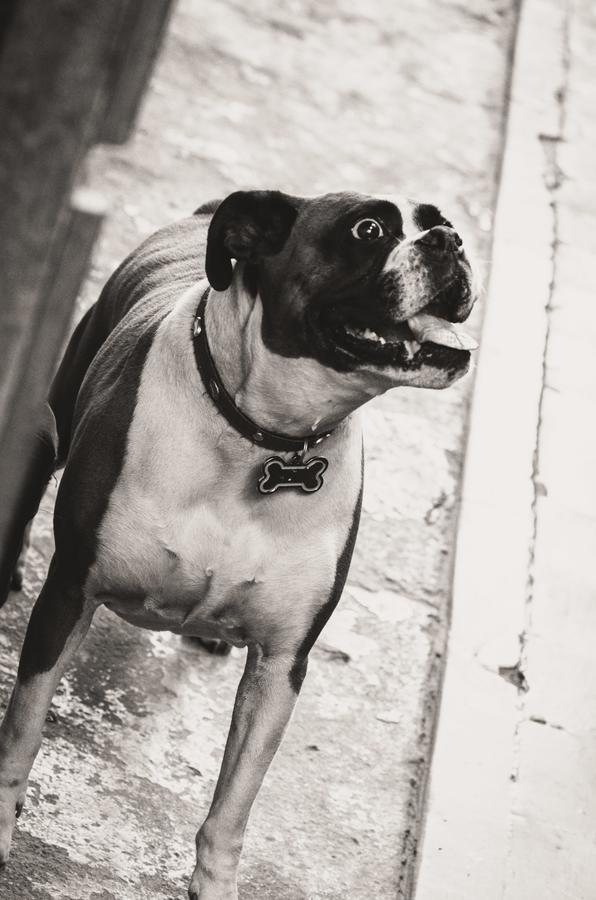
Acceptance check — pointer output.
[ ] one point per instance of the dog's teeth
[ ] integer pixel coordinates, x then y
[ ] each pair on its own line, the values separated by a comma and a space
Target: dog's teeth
365, 334
412, 348
370, 335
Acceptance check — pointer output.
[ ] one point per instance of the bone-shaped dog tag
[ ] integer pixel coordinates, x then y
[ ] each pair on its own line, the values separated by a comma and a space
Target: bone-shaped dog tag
306, 476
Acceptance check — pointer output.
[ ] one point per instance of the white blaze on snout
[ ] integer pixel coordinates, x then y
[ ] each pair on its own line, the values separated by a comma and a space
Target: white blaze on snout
412, 281
438, 331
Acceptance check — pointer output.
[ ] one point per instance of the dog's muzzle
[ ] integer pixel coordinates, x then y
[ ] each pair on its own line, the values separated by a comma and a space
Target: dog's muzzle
425, 290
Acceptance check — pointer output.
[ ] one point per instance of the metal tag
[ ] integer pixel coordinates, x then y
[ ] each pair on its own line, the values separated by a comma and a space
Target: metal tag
306, 475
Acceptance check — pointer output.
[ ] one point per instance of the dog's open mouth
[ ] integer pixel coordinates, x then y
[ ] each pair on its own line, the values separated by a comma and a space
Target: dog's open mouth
423, 339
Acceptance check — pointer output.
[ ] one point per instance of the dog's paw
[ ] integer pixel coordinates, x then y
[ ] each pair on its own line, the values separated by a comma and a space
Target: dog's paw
8, 815
12, 800
209, 890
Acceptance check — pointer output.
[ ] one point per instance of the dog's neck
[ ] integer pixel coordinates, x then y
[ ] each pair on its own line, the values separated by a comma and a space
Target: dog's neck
294, 396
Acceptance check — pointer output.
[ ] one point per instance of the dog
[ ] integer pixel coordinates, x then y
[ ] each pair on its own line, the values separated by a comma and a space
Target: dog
207, 419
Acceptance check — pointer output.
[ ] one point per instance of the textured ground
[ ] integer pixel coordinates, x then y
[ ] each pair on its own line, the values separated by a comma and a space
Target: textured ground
308, 97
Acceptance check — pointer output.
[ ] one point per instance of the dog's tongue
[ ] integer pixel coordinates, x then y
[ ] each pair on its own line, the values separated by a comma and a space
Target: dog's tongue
430, 328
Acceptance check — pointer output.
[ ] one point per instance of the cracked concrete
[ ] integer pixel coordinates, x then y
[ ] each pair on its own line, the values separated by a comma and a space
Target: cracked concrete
513, 792
553, 178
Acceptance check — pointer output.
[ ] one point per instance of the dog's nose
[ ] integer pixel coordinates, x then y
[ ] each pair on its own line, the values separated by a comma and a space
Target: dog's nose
441, 239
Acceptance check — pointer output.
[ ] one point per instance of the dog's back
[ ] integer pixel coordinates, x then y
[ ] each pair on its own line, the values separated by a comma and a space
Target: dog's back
171, 259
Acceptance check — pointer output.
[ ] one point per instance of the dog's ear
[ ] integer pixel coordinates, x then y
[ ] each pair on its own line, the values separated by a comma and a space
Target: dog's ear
247, 225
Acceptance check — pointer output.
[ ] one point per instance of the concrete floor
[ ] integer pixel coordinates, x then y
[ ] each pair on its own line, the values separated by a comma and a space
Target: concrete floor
308, 97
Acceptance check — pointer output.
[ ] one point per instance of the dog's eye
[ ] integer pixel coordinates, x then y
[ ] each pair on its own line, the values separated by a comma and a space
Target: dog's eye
368, 230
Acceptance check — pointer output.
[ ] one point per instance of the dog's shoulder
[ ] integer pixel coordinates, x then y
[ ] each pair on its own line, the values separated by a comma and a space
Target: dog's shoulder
133, 304
169, 261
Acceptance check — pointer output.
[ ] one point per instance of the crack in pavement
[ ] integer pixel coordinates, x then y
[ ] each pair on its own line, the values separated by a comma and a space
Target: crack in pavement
553, 177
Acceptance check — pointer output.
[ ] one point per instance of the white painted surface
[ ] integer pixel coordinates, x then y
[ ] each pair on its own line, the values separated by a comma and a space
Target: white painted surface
552, 846
501, 821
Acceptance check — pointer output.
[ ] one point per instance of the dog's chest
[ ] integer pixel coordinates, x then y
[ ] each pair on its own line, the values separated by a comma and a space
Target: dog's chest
188, 544
201, 564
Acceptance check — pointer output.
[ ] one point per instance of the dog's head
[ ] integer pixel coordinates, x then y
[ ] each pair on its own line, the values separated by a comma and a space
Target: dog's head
358, 283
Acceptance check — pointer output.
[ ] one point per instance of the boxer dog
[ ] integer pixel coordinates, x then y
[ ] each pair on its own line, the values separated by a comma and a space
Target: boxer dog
207, 420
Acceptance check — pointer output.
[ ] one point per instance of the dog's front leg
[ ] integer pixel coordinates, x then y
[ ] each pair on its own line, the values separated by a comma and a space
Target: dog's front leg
59, 621
265, 700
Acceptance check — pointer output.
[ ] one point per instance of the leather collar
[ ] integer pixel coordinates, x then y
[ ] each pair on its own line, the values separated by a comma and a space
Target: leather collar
237, 419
